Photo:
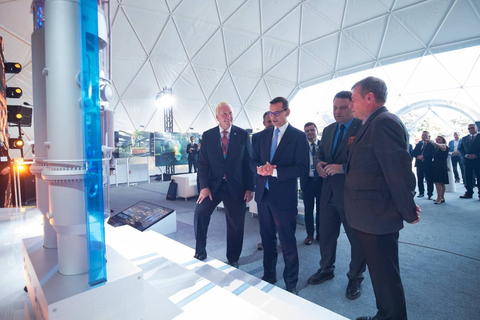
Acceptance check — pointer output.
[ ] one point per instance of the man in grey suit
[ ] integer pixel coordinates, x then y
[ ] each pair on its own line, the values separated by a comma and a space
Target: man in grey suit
330, 161
379, 193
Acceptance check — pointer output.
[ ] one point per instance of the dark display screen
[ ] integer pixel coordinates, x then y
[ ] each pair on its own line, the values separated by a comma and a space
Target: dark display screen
141, 215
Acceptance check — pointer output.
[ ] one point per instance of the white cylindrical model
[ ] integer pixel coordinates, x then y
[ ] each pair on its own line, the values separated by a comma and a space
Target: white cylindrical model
40, 132
65, 137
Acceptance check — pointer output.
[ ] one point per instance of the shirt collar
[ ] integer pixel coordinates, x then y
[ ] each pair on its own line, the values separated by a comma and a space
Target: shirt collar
221, 130
347, 125
282, 128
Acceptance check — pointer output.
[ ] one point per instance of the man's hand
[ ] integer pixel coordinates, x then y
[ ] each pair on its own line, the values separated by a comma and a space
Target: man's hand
5, 171
204, 193
420, 157
266, 169
320, 169
248, 196
454, 153
470, 156
418, 210
332, 169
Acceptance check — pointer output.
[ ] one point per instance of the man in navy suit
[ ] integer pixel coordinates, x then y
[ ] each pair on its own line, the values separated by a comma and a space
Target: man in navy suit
224, 175
192, 152
470, 150
311, 185
423, 154
379, 193
330, 161
279, 158
456, 157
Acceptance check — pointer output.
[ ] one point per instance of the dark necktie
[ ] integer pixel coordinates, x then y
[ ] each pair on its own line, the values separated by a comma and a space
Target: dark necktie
273, 148
423, 146
339, 139
224, 143
471, 139
313, 151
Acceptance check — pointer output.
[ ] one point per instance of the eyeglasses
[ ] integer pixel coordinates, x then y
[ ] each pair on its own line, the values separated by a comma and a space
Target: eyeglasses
471, 128
274, 113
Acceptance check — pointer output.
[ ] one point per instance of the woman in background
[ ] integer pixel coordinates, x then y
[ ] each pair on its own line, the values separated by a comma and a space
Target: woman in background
440, 170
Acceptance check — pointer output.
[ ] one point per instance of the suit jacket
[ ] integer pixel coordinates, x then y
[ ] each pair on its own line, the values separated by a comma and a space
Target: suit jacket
304, 179
427, 154
451, 145
194, 152
469, 147
291, 159
379, 182
332, 190
255, 137
212, 166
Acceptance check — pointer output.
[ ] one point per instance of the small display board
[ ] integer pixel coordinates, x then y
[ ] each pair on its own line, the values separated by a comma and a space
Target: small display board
141, 215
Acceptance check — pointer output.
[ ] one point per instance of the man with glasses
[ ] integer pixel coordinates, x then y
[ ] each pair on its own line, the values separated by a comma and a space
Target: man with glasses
279, 157
470, 151
311, 185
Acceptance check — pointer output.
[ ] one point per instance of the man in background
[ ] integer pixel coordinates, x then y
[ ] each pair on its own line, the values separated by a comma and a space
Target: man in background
192, 151
456, 157
423, 154
470, 150
330, 162
311, 185
379, 193
224, 175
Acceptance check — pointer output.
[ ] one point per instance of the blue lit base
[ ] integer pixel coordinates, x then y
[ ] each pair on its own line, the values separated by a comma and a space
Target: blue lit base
55, 296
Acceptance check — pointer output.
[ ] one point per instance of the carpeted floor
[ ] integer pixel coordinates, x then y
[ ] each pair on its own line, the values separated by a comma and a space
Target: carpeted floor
439, 257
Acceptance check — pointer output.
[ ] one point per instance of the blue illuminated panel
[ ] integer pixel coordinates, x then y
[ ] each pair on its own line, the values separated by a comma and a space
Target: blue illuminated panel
97, 271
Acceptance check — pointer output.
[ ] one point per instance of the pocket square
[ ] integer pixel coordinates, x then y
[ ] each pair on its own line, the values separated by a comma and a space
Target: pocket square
350, 140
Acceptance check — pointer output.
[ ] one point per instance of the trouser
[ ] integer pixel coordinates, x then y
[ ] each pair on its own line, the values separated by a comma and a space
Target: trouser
455, 161
425, 172
311, 196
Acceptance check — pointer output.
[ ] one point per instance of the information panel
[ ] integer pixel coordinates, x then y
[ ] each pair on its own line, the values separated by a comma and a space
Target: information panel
141, 215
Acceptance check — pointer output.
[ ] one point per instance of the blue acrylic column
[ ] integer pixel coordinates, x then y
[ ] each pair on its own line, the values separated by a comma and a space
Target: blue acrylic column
93, 144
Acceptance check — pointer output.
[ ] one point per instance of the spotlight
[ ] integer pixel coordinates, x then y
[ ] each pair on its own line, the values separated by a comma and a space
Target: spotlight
164, 98
14, 92
19, 115
13, 67
15, 143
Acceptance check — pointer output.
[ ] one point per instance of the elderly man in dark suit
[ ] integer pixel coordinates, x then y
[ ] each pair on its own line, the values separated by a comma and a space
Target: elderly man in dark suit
330, 161
280, 156
311, 185
470, 151
423, 154
224, 175
379, 193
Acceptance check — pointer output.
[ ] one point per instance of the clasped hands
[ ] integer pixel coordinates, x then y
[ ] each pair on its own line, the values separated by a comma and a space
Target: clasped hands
324, 169
266, 169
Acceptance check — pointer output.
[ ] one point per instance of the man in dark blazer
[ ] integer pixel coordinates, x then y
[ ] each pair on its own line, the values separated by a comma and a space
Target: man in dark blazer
379, 193
330, 161
279, 158
423, 154
192, 153
224, 175
311, 185
470, 151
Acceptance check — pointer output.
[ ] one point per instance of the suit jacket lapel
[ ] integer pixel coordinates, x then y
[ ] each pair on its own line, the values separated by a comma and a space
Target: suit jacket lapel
346, 137
283, 143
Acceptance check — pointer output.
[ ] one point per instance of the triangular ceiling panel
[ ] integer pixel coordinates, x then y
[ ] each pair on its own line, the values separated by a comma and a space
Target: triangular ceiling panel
125, 70
325, 49
460, 69
256, 118
279, 89
11, 21
453, 31
140, 111
245, 84
209, 78
237, 43
362, 11
260, 98
147, 5
241, 120
226, 92
474, 93
188, 86
169, 48
286, 29
185, 111
396, 34
194, 35
420, 18
447, 95
276, 11
275, 51
406, 3
212, 54
166, 73
227, 8
466, 97
237, 21
147, 24
387, 4
202, 12
401, 73
331, 10
474, 77
125, 42
143, 85
287, 69
205, 119
370, 33
351, 54
314, 26
248, 62
310, 67
122, 119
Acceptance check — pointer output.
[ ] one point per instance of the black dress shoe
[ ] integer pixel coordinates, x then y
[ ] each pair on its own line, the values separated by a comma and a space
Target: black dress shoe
233, 264
320, 276
466, 196
429, 197
354, 289
420, 195
366, 318
271, 280
292, 291
308, 240
200, 256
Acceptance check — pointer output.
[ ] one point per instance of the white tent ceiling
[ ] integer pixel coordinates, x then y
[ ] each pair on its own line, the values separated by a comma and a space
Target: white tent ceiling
249, 51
